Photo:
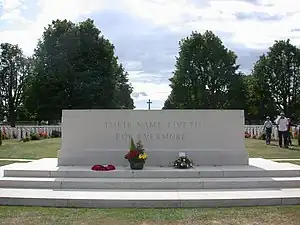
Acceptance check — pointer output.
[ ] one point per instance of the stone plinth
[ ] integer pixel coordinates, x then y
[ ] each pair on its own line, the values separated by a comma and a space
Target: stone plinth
43, 183
208, 137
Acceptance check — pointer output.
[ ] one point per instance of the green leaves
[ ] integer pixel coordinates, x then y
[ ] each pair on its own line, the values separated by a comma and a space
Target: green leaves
15, 69
205, 74
277, 77
75, 67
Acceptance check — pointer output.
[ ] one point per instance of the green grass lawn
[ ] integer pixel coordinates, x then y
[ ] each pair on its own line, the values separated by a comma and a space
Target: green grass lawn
12, 149
228, 216
258, 149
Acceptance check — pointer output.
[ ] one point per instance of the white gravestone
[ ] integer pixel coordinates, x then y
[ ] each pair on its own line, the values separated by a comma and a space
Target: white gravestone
208, 137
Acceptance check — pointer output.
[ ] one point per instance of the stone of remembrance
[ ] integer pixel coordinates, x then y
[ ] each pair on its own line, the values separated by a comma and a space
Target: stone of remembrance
208, 137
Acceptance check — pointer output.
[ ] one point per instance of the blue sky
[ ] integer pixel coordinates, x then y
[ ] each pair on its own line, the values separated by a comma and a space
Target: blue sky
146, 32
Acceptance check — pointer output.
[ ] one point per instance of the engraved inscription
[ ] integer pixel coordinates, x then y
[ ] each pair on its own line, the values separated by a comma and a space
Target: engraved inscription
152, 130
150, 125
151, 136
167, 136
117, 125
183, 125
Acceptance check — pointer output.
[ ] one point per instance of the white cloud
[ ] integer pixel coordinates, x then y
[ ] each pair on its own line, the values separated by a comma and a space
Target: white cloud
48, 10
11, 4
180, 16
12, 11
155, 92
220, 16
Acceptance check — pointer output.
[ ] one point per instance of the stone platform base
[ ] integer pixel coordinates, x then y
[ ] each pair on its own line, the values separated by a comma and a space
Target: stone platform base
148, 199
42, 183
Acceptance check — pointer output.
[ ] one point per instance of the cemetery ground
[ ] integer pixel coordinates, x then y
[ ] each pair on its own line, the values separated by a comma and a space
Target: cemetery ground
10, 150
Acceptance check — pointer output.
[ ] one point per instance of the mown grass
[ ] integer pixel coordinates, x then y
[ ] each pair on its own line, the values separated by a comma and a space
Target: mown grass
227, 216
258, 149
47, 148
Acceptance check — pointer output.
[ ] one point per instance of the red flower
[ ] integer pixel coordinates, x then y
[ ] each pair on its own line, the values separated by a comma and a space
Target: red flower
103, 167
132, 154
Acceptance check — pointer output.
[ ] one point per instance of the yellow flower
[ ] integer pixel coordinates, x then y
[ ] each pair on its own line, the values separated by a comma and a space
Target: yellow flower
143, 156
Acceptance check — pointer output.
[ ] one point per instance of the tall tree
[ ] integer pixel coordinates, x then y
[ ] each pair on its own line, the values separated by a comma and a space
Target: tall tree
15, 68
205, 75
251, 104
277, 76
123, 88
75, 68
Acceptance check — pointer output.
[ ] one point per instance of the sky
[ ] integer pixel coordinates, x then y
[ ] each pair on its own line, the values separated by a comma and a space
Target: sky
146, 32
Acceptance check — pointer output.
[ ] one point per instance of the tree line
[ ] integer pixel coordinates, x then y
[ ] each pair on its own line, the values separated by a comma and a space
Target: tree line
207, 76
75, 67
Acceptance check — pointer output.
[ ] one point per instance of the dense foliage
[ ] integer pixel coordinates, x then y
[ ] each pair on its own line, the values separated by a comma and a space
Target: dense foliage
206, 76
73, 67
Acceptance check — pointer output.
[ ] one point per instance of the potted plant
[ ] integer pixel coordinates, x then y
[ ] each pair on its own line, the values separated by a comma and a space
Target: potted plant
136, 155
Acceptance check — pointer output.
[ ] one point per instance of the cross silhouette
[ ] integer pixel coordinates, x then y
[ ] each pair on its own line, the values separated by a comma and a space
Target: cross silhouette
149, 104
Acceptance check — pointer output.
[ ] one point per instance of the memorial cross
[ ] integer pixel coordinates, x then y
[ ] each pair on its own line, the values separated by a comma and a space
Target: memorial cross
149, 104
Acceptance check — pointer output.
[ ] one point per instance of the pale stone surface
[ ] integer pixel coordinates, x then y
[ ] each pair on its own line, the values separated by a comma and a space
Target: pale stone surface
44, 173
258, 167
209, 137
148, 199
149, 183
42, 183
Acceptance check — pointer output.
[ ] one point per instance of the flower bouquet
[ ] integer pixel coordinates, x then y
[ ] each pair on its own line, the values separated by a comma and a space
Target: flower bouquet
183, 162
136, 155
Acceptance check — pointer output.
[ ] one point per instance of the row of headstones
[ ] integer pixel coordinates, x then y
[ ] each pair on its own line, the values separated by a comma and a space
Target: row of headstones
20, 132
25, 131
255, 131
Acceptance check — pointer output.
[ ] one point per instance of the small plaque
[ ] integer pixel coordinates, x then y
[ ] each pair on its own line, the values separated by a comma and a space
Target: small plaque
181, 154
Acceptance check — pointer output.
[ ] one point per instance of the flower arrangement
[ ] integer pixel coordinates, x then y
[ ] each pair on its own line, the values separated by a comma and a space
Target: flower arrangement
247, 135
183, 162
43, 134
4, 136
136, 155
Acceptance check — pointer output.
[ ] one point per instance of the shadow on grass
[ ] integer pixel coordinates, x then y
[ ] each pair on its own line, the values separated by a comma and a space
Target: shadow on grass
291, 147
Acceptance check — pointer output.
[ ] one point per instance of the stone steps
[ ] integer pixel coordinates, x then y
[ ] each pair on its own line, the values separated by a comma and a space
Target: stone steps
150, 183
163, 173
42, 183
148, 198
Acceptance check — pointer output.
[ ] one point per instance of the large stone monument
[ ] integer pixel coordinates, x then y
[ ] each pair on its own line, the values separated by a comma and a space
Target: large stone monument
208, 137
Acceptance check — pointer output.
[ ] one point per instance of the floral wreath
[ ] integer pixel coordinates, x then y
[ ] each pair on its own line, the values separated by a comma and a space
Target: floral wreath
183, 162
